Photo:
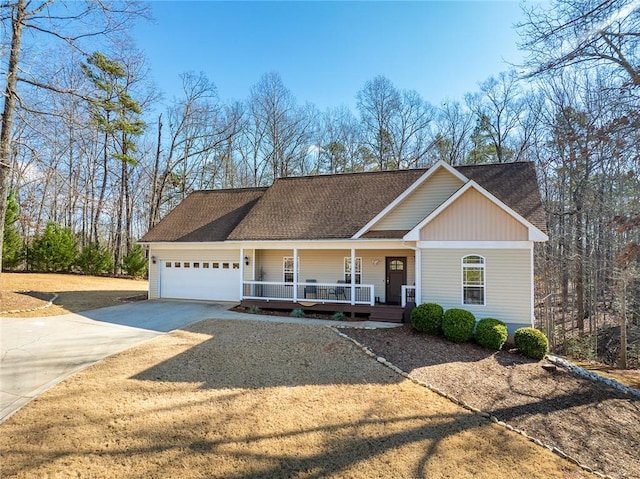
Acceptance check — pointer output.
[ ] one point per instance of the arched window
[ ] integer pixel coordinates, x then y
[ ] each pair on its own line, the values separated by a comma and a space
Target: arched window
473, 280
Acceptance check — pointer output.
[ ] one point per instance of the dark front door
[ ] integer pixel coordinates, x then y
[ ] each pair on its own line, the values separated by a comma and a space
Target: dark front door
396, 272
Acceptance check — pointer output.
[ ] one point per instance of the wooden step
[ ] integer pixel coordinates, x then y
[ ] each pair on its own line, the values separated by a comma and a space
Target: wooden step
390, 314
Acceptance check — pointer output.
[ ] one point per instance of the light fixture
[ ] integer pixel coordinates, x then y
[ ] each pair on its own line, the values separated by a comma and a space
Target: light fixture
246, 260
375, 262
153, 259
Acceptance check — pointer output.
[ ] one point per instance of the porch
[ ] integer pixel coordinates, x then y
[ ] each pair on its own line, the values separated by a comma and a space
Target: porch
350, 299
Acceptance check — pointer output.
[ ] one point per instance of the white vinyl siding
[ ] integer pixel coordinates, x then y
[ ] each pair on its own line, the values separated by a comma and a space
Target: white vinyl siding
508, 278
421, 202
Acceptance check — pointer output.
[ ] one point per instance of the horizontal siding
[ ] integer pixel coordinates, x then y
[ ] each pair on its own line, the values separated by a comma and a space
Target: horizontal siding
327, 266
472, 217
421, 202
508, 279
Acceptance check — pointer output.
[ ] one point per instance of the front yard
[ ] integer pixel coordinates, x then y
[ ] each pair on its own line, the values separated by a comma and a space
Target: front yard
236, 399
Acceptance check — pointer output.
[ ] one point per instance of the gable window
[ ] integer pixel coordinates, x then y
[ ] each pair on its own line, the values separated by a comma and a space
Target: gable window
473, 280
287, 269
347, 270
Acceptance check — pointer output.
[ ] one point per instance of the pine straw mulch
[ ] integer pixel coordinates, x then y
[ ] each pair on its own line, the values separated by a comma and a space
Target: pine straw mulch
596, 424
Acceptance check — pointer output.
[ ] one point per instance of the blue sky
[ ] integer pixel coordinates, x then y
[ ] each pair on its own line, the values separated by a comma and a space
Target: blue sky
326, 51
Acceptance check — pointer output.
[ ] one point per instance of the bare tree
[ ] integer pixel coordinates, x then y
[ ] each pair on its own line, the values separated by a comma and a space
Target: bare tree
70, 23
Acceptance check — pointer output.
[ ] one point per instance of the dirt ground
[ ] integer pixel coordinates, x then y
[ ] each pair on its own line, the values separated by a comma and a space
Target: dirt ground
21, 291
232, 399
594, 423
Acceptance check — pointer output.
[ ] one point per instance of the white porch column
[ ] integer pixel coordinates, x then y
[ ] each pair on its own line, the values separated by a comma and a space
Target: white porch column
241, 273
418, 271
353, 276
295, 275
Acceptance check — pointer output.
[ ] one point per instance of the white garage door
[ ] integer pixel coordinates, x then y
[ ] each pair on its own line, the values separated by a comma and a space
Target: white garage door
200, 279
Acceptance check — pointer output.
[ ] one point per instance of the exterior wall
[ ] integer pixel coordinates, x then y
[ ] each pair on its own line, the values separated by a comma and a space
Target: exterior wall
421, 202
327, 266
184, 255
474, 218
508, 280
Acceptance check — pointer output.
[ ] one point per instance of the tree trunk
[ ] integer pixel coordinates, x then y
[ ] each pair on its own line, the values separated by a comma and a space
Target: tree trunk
10, 95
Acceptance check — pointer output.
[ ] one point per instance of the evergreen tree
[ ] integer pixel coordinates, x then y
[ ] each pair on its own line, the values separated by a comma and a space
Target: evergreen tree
55, 250
12, 250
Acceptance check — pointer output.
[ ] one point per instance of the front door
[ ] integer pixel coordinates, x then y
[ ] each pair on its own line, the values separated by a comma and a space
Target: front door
396, 273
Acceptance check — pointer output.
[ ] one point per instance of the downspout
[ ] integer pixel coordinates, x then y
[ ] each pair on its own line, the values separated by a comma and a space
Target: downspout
417, 270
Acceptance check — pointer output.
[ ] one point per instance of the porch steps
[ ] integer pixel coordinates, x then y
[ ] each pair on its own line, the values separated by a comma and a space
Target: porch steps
388, 313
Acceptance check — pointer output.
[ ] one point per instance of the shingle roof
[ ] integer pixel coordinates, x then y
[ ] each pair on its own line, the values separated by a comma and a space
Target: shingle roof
328, 206
205, 216
515, 184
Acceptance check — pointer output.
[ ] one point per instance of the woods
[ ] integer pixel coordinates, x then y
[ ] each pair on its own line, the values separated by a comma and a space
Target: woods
91, 152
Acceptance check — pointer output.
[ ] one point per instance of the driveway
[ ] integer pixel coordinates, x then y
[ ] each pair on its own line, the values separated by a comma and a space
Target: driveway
37, 353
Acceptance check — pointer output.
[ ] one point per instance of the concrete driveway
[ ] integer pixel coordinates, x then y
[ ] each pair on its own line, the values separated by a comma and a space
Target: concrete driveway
37, 353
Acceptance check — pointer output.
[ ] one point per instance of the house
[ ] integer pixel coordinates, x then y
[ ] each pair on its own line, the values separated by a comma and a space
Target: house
363, 243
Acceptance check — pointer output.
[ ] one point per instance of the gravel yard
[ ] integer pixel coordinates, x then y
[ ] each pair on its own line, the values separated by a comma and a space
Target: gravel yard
236, 399
591, 422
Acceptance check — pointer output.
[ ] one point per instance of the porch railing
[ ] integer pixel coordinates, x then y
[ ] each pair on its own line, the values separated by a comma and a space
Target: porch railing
310, 292
408, 294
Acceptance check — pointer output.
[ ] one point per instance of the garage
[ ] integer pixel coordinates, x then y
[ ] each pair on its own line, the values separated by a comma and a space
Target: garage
210, 277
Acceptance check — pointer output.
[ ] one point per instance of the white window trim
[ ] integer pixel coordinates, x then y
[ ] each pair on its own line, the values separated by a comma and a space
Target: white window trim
484, 278
347, 259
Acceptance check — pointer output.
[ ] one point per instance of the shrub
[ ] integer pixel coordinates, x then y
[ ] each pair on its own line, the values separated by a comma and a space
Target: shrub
254, 310
339, 316
94, 259
491, 333
297, 313
135, 263
457, 325
531, 342
427, 318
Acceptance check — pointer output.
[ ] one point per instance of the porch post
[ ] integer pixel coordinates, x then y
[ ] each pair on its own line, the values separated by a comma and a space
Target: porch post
295, 275
418, 270
241, 273
353, 276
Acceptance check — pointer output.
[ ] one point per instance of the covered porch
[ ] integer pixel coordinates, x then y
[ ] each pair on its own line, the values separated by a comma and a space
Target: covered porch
360, 281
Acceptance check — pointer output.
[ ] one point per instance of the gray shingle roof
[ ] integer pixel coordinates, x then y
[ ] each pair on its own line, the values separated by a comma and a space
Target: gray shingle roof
328, 206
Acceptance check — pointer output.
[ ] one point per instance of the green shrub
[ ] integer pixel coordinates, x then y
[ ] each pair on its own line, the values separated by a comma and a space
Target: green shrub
94, 259
457, 325
427, 318
297, 313
491, 333
531, 342
254, 310
339, 316
135, 263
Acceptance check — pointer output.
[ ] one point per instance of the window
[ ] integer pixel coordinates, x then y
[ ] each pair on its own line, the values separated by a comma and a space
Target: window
287, 269
186, 264
176, 264
225, 265
205, 265
196, 265
236, 265
473, 280
347, 270
167, 264
215, 265
396, 265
